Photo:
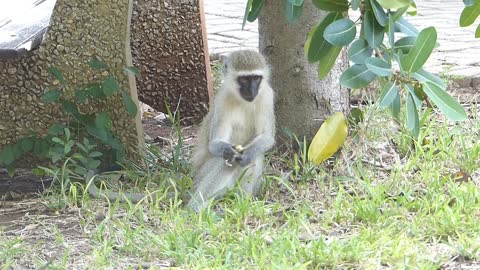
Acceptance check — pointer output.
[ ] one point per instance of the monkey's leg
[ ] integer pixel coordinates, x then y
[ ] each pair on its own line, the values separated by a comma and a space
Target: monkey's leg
252, 179
212, 181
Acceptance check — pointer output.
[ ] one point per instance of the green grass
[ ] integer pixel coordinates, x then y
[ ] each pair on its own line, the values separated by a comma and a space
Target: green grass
406, 213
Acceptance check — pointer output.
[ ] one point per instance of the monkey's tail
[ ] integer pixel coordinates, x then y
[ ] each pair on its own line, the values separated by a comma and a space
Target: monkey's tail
132, 197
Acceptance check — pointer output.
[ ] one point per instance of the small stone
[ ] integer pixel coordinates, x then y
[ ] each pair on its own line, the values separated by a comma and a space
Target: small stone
12, 71
160, 117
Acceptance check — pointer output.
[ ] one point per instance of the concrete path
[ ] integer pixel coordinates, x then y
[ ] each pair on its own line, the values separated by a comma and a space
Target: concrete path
458, 54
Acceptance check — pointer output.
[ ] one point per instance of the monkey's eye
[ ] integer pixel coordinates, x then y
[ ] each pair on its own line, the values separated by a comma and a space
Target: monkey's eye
256, 77
243, 80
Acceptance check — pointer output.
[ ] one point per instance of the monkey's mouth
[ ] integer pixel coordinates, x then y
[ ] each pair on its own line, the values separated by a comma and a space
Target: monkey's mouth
248, 96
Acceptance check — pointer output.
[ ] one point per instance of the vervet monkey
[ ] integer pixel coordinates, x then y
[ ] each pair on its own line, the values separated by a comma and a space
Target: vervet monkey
237, 131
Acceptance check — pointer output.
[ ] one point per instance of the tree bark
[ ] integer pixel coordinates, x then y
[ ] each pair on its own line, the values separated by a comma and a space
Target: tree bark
303, 101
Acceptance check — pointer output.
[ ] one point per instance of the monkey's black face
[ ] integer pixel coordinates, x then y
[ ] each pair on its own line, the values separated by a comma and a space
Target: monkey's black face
249, 85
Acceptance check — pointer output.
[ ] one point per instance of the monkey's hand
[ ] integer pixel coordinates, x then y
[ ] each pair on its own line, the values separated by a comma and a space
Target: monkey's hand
245, 158
230, 152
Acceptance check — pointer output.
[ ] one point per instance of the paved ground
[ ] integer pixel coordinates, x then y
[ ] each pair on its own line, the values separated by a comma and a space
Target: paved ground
459, 51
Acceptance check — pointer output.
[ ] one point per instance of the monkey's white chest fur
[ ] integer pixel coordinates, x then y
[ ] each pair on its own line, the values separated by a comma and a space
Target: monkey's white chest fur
242, 129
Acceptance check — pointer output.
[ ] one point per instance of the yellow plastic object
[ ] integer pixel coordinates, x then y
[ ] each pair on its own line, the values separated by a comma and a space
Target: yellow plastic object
239, 148
330, 136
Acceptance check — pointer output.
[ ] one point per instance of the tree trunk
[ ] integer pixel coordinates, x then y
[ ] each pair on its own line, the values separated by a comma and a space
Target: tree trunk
303, 101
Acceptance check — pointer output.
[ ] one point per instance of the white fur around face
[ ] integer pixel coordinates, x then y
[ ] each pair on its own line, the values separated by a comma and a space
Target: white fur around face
231, 87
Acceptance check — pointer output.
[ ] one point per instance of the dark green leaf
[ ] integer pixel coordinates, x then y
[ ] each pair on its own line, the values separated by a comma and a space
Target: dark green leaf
405, 44
359, 51
56, 73
331, 5
58, 141
477, 32
327, 61
391, 30
51, 96
96, 64
67, 133
26, 144
355, 4
120, 154
373, 31
245, 15
357, 76
93, 164
103, 121
388, 95
402, 25
424, 76
56, 129
316, 45
110, 86
292, 12
11, 169
448, 105
55, 155
412, 9
378, 66
394, 4
416, 98
8, 155
101, 134
421, 50
95, 90
470, 14
399, 13
95, 154
340, 32
413, 122
395, 107
68, 147
257, 6
70, 107
115, 144
129, 104
17, 150
40, 148
81, 95
379, 13
355, 117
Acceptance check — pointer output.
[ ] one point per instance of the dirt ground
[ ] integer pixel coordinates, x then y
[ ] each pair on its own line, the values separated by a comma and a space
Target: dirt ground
24, 214
51, 232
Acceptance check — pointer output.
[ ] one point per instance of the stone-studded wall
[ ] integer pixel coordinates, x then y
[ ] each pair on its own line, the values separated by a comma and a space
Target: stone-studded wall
78, 30
169, 46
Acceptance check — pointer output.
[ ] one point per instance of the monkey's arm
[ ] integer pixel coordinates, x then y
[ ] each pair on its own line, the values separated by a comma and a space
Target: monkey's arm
219, 135
264, 140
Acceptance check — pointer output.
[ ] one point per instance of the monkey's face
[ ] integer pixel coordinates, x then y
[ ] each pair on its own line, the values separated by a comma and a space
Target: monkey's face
249, 86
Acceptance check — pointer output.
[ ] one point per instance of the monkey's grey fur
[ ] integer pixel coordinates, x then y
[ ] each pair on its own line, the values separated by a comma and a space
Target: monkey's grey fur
232, 121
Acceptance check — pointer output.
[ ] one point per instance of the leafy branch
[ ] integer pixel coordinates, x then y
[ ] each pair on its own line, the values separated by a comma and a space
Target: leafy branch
376, 53
80, 133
